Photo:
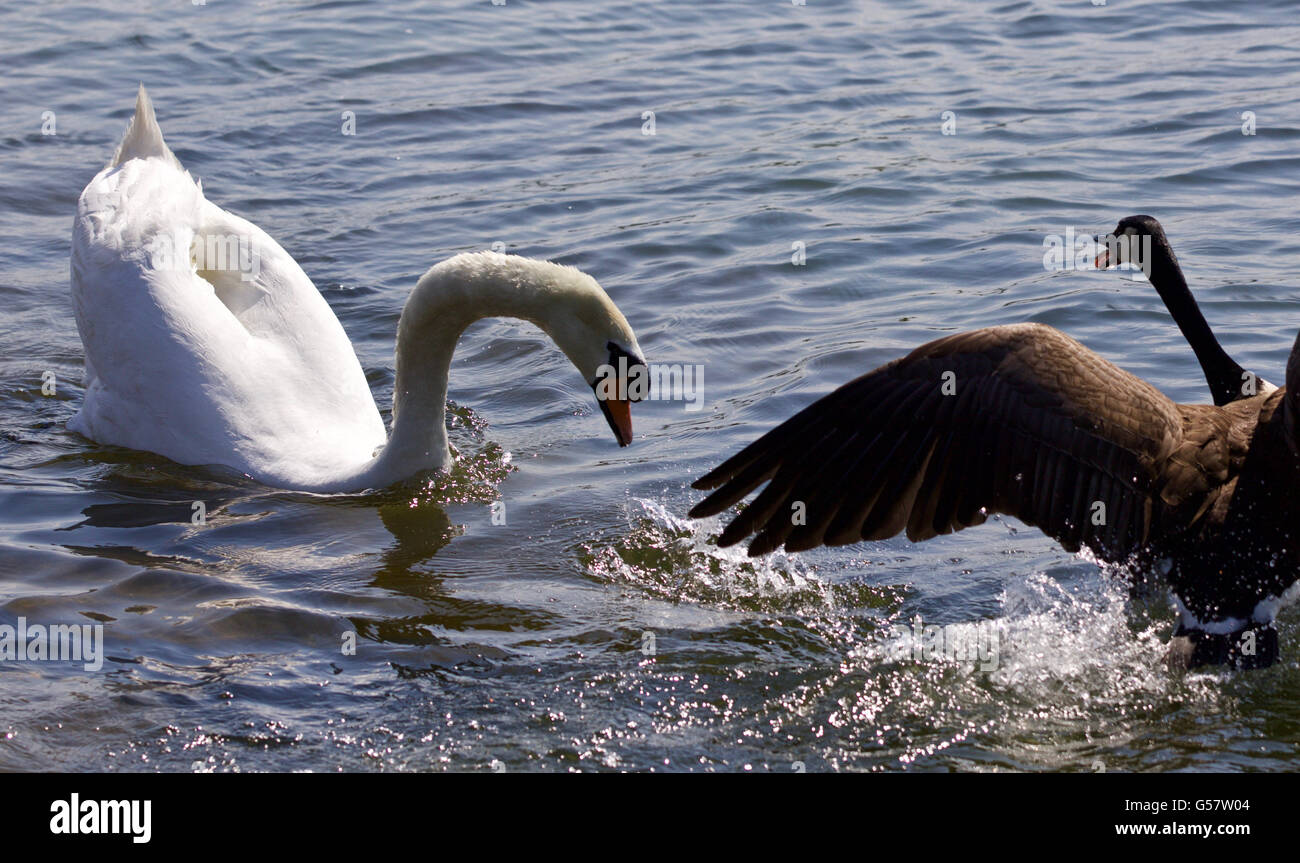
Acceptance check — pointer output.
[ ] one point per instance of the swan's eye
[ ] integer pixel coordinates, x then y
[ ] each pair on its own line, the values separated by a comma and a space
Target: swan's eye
631, 371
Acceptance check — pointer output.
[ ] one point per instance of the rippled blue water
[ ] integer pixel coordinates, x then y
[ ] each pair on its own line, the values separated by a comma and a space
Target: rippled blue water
526, 643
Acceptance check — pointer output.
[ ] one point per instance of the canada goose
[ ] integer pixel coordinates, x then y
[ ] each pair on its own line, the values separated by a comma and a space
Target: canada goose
207, 343
1128, 244
1023, 420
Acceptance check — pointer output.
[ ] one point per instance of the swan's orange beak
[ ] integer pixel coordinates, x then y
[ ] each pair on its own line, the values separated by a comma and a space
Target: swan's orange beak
617, 384
618, 413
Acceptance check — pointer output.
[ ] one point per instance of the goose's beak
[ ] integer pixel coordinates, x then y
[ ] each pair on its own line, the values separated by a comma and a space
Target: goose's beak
618, 413
1103, 257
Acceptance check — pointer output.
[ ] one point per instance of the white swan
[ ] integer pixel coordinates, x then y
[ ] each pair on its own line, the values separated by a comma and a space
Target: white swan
207, 343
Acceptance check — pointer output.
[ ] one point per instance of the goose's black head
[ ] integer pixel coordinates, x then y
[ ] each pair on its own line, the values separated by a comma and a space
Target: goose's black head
1137, 240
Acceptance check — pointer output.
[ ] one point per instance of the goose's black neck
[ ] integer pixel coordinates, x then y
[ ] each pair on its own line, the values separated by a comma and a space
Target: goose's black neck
1222, 372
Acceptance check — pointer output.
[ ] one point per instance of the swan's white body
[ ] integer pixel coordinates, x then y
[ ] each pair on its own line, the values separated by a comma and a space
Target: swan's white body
245, 365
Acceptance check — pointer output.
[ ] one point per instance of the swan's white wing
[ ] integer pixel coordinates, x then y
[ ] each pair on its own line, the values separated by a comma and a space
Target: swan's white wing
247, 368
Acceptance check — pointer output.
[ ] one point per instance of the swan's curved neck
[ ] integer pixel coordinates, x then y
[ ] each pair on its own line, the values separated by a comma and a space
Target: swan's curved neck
443, 304
418, 441
1222, 372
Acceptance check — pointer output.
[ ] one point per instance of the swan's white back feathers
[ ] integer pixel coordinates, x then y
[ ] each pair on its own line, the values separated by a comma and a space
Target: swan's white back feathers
248, 368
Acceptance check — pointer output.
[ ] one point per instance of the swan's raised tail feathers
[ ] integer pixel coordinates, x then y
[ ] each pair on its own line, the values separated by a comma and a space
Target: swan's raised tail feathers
143, 138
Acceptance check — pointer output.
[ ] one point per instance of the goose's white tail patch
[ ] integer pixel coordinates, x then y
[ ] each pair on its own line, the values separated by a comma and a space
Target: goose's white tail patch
1265, 611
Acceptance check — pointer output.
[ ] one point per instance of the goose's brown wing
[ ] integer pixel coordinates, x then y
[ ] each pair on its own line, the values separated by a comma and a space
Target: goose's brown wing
1017, 419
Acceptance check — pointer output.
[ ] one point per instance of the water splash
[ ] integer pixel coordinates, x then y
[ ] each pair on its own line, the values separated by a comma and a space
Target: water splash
679, 559
480, 467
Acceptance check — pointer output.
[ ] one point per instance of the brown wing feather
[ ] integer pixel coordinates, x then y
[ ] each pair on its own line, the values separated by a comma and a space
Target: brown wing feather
1038, 427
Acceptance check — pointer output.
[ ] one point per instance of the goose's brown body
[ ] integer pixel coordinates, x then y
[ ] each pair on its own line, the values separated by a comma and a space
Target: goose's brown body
1024, 420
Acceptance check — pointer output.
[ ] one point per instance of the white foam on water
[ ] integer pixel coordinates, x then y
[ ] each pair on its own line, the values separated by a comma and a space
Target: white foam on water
680, 557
